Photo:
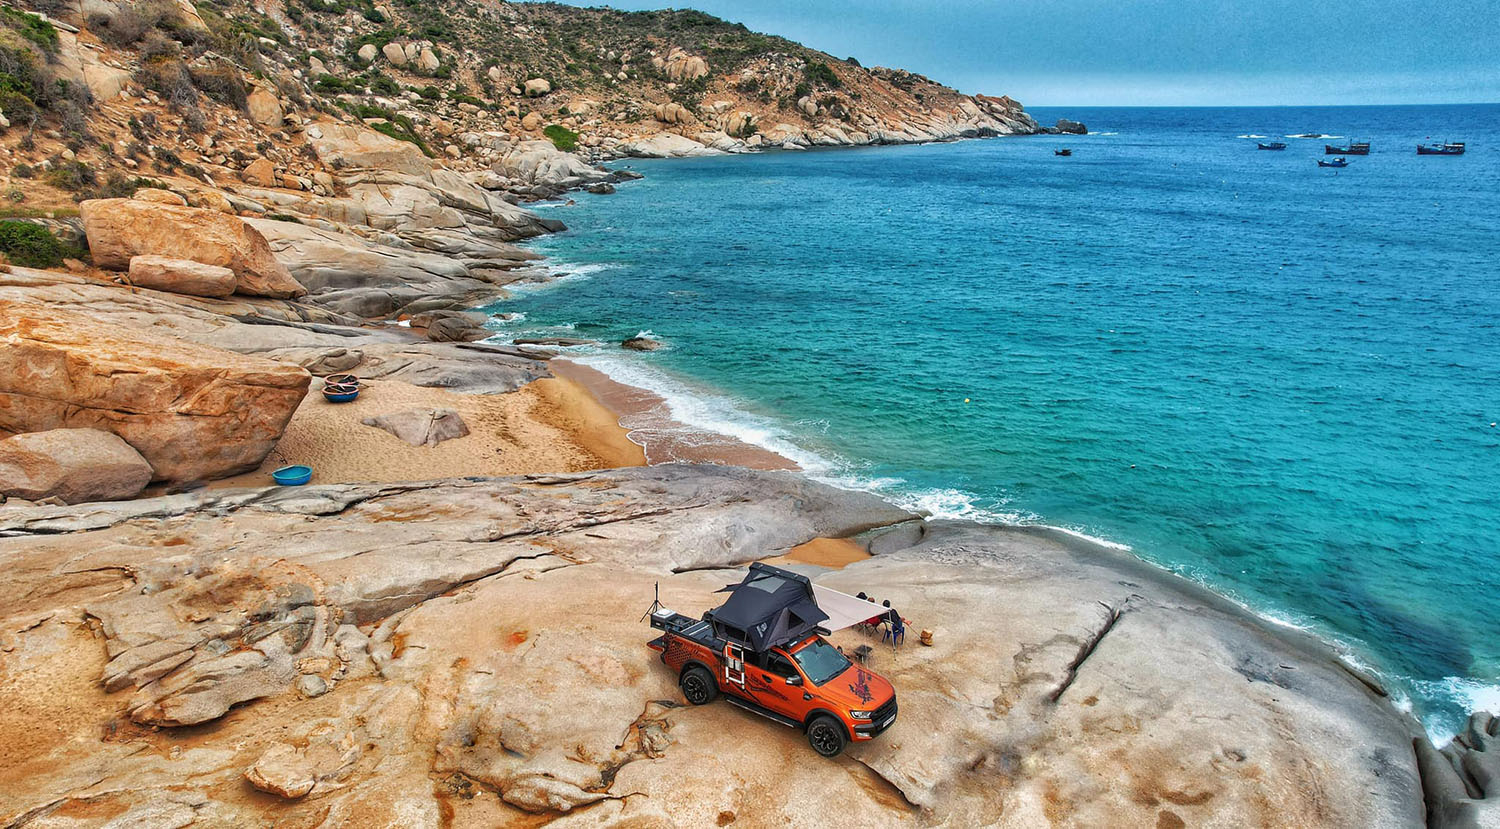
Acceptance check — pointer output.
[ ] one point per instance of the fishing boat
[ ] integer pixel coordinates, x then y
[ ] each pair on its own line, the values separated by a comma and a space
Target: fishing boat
1337, 162
1448, 148
1063, 151
1352, 148
1274, 145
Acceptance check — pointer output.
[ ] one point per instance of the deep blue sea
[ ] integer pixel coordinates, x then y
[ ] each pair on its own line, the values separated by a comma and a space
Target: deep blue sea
1279, 380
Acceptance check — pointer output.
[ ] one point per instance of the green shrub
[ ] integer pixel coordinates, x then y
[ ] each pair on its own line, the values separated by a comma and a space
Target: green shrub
819, 73
30, 27
221, 81
30, 245
383, 85
562, 138
73, 176
330, 85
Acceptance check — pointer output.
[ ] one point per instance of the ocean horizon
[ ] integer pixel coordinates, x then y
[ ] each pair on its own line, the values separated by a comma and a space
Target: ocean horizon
1275, 379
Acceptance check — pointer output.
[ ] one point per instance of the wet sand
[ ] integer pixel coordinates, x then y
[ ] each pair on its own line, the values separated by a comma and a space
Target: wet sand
651, 425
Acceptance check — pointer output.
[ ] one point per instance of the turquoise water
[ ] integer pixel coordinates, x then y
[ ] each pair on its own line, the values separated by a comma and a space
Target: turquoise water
1276, 379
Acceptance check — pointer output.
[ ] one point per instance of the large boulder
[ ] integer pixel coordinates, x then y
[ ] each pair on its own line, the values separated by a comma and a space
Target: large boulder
119, 229
673, 113
421, 427
537, 87
427, 60
740, 124
1067, 127
395, 53
74, 465
192, 411
349, 146
265, 108
680, 66
181, 276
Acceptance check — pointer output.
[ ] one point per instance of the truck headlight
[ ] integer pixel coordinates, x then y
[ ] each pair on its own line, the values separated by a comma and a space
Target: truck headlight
861, 715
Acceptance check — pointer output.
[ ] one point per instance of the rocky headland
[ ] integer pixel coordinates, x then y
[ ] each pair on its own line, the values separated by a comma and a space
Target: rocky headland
224, 203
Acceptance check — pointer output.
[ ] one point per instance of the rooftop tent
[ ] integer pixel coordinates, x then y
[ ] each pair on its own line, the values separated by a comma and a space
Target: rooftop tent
770, 607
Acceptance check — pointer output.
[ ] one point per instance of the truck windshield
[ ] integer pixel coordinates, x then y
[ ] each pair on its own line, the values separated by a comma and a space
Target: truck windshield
820, 661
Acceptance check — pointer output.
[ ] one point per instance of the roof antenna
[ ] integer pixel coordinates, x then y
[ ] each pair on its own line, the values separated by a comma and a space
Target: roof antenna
655, 603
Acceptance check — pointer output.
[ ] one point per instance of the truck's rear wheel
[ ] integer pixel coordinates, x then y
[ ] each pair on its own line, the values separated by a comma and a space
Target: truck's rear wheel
826, 736
698, 686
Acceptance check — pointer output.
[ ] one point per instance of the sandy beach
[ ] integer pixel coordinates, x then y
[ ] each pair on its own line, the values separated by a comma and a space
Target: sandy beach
551, 425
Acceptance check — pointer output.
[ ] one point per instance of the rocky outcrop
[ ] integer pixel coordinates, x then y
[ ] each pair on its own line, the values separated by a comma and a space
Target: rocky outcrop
1462, 781
542, 170
366, 279
639, 343
673, 113
194, 413
296, 333
421, 427
680, 66
351, 146
459, 628
665, 145
1067, 127
181, 276
119, 229
73, 465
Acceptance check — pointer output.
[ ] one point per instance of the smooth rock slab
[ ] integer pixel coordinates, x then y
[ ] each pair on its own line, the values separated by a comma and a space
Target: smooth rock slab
181, 276
421, 427
75, 465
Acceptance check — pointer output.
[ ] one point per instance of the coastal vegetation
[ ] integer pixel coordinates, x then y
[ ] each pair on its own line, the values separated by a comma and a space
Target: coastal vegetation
562, 137
30, 245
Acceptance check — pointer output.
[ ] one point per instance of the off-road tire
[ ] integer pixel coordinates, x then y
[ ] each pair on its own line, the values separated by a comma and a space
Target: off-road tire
698, 686
826, 735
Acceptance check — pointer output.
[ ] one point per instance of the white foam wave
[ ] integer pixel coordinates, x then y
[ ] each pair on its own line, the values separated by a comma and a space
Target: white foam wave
1313, 135
1250, 135
1093, 539
1472, 695
1103, 133
707, 412
556, 272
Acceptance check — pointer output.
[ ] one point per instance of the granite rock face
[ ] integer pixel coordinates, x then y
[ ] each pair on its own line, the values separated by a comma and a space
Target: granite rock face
119, 229
181, 276
193, 412
74, 465
481, 648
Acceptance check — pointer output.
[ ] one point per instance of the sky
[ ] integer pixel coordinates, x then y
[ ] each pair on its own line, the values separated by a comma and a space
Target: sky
1155, 52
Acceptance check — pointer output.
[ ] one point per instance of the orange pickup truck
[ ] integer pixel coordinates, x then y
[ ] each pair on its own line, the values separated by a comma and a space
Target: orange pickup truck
763, 650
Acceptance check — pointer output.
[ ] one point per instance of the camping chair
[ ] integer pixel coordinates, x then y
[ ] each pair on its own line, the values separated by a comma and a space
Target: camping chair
896, 632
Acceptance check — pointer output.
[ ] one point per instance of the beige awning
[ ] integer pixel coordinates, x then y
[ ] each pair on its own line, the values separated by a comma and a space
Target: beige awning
843, 609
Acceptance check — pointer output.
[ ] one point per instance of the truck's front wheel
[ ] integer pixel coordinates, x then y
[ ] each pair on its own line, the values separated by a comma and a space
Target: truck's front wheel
698, 686
826, 736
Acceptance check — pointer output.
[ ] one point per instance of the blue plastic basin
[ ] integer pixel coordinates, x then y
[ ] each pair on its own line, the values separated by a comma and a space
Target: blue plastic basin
340, 396
292, 475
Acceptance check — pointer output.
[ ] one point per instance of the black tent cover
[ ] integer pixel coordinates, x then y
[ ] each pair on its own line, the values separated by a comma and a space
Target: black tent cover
770, 607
